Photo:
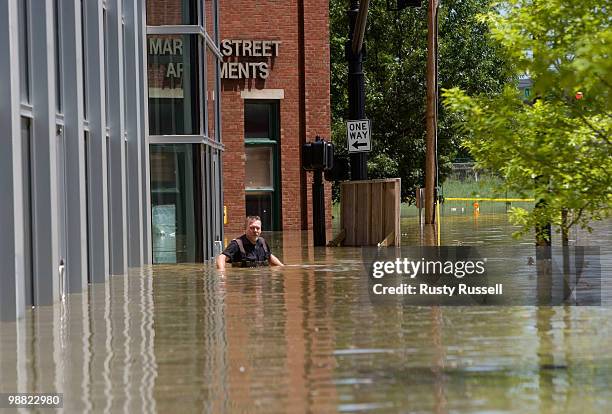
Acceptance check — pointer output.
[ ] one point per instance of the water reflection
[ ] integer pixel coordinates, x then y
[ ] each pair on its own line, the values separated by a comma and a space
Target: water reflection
300, 339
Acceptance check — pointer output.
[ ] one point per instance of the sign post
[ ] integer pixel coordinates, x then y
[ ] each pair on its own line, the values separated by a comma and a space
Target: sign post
357, 16
431, 142
358, 135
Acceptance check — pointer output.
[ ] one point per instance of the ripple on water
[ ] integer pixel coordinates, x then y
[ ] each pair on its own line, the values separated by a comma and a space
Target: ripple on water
183, 337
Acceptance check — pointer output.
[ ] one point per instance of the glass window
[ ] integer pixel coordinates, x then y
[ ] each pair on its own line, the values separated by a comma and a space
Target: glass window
176, 208
24, 50
261, 165
211, 93
109, 200
172, 12
87, 202
26, 165
124, 74
58, 56
106, 72
172, 70
257, 120
84, 57
258, 167
61, 197
260, 204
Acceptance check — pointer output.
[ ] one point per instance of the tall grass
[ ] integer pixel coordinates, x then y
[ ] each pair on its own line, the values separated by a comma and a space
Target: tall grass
486, 186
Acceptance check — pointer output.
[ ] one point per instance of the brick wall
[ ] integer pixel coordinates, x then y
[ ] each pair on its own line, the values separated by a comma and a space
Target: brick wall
317, 83
304, 111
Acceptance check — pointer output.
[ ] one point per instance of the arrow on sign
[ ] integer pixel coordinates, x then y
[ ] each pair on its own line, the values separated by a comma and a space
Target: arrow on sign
357, 144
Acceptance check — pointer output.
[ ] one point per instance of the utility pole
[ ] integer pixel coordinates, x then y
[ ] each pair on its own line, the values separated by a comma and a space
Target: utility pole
432, 112
357, 15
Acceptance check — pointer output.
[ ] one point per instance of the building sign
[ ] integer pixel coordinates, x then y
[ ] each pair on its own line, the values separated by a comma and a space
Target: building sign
358, 135
247, 59
166, 65
168, 47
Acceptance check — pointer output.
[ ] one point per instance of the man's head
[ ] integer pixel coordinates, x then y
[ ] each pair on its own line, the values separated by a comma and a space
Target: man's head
253, 228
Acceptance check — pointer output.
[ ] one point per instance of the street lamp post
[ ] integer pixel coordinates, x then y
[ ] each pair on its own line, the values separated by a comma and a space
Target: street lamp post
354, 51
357, 15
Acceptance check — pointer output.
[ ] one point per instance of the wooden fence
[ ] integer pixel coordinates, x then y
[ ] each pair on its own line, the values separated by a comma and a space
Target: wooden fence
370, 212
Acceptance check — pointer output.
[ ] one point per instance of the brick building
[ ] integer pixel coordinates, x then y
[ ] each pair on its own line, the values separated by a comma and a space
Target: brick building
275, 86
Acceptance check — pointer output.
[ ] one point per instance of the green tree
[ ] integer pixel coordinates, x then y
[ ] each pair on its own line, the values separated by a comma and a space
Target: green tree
556, 148
395, 68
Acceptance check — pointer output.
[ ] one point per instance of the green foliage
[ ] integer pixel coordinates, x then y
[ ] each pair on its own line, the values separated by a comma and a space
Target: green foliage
559, 147
395, 68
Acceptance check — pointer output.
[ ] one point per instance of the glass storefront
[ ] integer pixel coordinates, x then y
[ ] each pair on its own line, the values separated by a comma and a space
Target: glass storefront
176, 207
183, 83
173, 85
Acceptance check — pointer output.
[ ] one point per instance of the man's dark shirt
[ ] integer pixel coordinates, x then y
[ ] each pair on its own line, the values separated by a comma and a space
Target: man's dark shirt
254, 252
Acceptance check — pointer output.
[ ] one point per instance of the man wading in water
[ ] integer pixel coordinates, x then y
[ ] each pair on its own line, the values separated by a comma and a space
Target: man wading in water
248, 250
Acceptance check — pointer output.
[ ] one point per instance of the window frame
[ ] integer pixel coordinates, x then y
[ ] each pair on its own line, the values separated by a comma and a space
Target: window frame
272, 141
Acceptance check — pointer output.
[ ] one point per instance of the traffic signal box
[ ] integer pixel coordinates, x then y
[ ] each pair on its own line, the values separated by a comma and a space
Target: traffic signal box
318, 155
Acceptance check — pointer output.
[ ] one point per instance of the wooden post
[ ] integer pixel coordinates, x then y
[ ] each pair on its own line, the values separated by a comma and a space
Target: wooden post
432, 109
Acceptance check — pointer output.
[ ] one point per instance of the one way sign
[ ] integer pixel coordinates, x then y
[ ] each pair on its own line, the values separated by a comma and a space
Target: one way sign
358, 135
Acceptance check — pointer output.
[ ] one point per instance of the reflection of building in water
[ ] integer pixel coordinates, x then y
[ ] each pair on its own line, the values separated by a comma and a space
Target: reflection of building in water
275, 339
113, 154
190, 341
97, 350
167, 337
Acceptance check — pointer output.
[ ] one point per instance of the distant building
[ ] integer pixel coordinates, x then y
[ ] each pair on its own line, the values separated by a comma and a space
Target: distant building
526, 87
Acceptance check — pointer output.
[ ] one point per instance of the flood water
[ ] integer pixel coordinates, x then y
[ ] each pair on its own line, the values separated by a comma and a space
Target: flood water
183, 338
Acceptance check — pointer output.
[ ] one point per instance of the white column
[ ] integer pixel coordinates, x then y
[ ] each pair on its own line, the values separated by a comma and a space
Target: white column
45, 238
97, 157
144, 143
12, 273
115, 107
76, 205
133, 90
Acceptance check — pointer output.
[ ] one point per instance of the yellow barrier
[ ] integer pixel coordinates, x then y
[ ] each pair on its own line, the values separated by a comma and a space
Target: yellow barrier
438, 220
488, 199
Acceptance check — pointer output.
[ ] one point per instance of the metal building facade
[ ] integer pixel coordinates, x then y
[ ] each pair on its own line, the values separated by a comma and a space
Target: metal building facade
75, 167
